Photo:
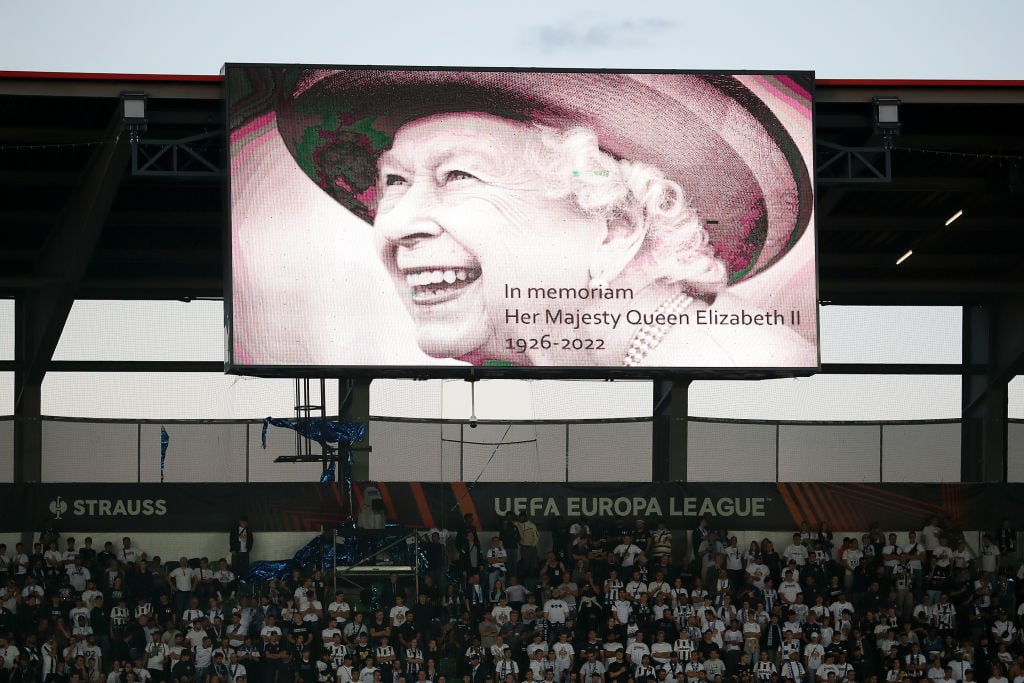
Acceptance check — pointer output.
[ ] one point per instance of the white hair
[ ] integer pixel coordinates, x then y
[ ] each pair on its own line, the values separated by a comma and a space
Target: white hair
675, 245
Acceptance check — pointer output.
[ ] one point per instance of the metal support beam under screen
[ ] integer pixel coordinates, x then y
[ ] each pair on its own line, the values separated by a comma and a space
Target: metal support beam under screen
842, 164
668, 438
195, 156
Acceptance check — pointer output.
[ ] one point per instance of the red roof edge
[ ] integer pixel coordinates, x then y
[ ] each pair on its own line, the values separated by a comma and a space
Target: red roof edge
216, 78
70, 76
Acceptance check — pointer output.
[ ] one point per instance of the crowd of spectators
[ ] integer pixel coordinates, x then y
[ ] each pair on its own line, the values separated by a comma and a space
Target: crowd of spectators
609, 603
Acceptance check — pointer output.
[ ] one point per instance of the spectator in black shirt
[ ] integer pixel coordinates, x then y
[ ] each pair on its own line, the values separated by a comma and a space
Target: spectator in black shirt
218, 669
183, 670
100, 623
707, 646
104, 557
425, 614
617, 669
872, 600
300, 637
273, 659
392, 591
699, 534
408, 631
55, 610
560, 536
744, 667
249, 657
902, 647
305, 668
29, 614
140, 581
88, 553
464, 537
478, 670
117, 591
811, 626
36, 556
78, 669
138, 639
8, 620
59, 674
32, 655
437, 559
510, 538
24, 672
287, 667
40, 573
163, 610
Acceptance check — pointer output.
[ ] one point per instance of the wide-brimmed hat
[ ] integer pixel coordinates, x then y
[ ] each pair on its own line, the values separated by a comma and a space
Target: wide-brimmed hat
740, 168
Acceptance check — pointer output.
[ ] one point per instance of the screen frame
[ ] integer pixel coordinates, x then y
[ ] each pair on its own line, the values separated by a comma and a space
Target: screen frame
471, 372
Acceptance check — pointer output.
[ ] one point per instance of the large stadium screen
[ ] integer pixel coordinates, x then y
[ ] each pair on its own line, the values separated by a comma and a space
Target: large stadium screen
444, 222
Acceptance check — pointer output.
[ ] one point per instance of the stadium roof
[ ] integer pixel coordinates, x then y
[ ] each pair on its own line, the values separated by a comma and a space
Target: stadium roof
77, 222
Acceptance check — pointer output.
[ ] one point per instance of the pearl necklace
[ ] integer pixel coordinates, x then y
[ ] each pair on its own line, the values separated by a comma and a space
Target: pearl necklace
648, 337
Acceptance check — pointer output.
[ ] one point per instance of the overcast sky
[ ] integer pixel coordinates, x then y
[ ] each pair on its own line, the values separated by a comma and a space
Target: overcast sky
866, 39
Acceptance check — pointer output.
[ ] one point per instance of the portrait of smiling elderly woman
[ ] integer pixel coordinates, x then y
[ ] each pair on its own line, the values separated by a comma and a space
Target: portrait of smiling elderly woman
555, 219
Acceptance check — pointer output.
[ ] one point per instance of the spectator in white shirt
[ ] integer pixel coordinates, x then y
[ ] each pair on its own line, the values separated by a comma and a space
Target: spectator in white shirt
627, 552
183, 582
497, 559
930, 534
128, 554
989, 556
789, 588
398, 612
636, 650
339, 609
556, 610
796, 551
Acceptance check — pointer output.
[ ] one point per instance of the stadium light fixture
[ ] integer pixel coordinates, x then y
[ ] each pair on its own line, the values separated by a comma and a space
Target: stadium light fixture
887, 119
133, 113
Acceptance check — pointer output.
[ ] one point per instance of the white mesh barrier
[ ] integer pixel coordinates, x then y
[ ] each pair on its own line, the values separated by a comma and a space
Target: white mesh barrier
610, 452
195, 452
6, 393
497, 452
124, 451
506, 399
90, 451
427, 451
6, 450
406, 451
921, 453
7, 330
730, 451
1015, 448
829, 452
